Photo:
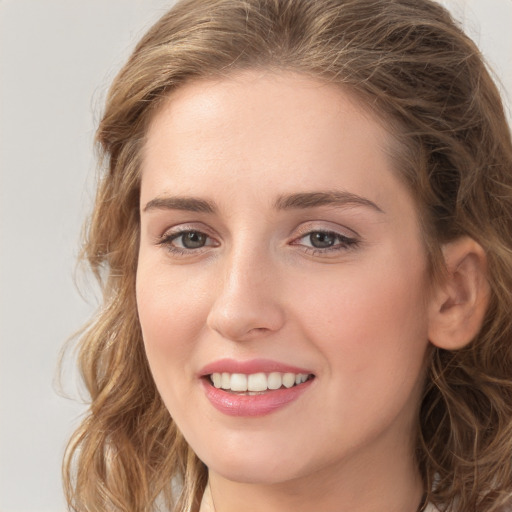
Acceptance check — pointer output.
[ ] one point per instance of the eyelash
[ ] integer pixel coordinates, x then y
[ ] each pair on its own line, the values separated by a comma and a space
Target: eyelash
168, 239
342, 243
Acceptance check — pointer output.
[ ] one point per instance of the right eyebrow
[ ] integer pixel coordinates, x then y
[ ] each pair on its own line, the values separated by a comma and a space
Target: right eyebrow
190, 204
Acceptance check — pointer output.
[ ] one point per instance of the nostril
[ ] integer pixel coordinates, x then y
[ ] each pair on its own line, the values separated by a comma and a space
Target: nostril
244, 323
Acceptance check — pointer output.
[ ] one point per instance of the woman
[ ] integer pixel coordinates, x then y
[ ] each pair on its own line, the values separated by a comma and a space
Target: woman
304, 237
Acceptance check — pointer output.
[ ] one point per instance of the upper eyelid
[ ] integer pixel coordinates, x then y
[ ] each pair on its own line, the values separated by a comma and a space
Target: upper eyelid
303, 229
168, 239
326, 232
175, 236
343, 239
329, 227
184, 227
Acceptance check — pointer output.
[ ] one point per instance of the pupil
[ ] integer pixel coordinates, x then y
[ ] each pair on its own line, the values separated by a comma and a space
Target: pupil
322, 240
193, 240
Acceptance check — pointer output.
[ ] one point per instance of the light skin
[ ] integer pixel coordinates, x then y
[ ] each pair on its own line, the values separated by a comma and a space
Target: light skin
274, 226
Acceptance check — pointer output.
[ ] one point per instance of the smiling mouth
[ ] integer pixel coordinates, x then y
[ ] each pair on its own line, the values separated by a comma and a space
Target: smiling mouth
257, 383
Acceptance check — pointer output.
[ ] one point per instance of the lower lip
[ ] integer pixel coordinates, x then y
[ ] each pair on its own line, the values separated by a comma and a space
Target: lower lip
262, 404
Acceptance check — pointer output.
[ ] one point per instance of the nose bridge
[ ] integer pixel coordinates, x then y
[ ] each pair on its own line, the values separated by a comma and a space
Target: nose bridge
245, 267
246, 301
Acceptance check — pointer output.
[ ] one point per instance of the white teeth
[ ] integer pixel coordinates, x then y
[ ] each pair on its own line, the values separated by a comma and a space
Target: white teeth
275, 381
288, 380
300, 378
226, 381
217, 380
256, 382
238, 382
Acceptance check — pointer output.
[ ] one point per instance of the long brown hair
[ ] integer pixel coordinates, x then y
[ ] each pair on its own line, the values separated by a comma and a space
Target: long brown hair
410, 63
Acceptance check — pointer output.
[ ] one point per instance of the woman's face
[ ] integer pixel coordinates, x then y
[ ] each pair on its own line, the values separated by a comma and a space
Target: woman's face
278, 249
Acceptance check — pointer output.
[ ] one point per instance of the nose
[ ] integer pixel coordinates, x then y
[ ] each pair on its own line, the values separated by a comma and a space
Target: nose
246, 303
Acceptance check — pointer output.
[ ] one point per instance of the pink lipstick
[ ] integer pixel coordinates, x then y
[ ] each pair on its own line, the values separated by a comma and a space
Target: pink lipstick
253, 388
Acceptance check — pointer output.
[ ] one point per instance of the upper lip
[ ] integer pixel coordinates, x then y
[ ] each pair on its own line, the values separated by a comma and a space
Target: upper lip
250, 366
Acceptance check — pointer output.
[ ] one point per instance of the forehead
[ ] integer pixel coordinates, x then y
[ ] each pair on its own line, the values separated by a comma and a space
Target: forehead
252, 98
266, 131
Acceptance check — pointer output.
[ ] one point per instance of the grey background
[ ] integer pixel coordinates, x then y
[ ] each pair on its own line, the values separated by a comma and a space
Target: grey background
57, 58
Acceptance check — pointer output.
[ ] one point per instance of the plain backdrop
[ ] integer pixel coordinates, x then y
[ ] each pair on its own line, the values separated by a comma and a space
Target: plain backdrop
57, 58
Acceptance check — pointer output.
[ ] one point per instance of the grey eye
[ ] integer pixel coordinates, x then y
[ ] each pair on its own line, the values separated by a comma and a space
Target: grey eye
192, 239
321, 240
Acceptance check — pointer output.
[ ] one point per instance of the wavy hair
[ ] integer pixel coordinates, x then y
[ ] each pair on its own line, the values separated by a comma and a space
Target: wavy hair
412, 65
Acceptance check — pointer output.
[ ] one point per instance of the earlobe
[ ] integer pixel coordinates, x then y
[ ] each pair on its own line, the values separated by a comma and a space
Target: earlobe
458, 305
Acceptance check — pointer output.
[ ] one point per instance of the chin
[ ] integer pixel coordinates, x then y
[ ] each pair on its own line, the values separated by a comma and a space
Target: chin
258, 463
255, 472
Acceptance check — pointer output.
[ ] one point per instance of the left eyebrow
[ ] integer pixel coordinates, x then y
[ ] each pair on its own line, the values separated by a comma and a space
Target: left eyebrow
328, 198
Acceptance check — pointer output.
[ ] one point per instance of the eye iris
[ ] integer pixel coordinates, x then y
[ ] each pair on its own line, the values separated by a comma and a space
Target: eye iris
322, 240
193, 240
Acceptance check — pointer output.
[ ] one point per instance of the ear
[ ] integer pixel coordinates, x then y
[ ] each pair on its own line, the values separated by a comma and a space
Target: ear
458, 305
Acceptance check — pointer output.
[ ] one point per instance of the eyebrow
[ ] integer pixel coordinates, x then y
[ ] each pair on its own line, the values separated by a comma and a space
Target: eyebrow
190, 204
329, 198
301, 200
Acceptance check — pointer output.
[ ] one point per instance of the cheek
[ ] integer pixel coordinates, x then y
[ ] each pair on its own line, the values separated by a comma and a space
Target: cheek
373, 338
370, 323
170, 326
